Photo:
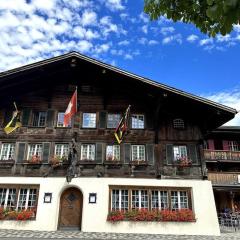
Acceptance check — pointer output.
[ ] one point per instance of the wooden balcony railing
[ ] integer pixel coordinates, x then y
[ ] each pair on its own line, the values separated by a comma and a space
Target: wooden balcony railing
221, 155
223, 178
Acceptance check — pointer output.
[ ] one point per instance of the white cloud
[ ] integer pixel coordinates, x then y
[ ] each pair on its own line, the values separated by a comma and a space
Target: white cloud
174, 38
167, 30
206, 41
192, 38
124, 43
89, 18
142, 40
128, 56
221, 38
114, 5
236, 28
229, 98
153, 42
144, 17
145, 29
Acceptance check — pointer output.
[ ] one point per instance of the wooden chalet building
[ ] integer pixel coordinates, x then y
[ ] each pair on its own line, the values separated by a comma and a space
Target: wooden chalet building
222, 157
158, 167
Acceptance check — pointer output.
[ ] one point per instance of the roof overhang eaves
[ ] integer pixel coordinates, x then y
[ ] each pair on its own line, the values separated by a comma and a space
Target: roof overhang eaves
118, 70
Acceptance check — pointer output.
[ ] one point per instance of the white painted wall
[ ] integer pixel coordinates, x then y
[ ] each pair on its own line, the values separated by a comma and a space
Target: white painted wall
94, 215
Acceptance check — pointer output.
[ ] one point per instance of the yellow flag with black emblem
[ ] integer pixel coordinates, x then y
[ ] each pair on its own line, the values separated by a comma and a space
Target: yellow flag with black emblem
14, 123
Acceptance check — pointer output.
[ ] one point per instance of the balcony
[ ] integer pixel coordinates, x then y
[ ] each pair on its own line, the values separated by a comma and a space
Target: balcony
223, 178
222, 155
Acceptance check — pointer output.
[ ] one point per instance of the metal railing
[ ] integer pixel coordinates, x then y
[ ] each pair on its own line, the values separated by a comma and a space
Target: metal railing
229, 222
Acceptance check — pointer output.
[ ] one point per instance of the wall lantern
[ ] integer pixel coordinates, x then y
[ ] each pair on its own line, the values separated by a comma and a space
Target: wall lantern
92, 198
47, 198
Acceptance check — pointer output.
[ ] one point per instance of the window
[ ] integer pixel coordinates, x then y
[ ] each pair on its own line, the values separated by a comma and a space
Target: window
137, 121
119, 199
60, 120
179, 152
179, 200
18, 198
138, 153
113, 120
61, 150
88, 152
39, 119
34, 150
89, 120
139, 199
178, 123
159, 199
113, 153
149, 198
233, 146
7, 151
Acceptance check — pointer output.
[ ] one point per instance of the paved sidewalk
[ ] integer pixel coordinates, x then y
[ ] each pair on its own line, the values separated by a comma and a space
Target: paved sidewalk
14, 234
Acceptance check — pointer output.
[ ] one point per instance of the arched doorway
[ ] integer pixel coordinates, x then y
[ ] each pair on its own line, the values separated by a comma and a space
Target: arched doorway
70, 212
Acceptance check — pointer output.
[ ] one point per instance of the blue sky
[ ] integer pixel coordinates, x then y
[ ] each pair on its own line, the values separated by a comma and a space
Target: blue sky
119, 33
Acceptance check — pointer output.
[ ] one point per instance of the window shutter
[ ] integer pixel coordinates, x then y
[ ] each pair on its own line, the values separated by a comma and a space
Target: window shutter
193, 153
127, 152
77, 120
50, 118
169, 153
7, 117
99, 152
46, 151
102, 119
150, 153
25, 116
225, 145
149, 120
21, 152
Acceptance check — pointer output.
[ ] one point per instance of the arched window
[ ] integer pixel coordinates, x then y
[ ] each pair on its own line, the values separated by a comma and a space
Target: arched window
178, 123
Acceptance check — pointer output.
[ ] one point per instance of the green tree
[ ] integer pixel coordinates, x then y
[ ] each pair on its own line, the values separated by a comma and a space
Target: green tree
210, 16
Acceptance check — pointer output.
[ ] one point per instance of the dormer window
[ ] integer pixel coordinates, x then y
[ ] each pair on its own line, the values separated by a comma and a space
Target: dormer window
178, 123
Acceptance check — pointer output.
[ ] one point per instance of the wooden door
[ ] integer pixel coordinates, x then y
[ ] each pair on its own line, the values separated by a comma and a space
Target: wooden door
70, 215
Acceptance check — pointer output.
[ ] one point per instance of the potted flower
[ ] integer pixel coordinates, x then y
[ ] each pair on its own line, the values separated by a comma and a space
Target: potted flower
35, 159
138, 162
184, 162
56, 161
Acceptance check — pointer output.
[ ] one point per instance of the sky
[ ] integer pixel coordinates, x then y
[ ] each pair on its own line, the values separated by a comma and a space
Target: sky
118, 32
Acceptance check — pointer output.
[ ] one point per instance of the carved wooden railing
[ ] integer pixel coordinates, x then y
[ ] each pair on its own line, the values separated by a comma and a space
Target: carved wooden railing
223, 178
221, 155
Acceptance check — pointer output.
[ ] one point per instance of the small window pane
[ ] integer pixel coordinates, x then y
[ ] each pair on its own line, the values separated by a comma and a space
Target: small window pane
174, 200
60, 120
119, 200
3, 192
113, 120
89, 120
138, 153
180, 152
61, 151
137, 121
39, 119
34, 150
233, 146
87, 152
7, 151
113, 153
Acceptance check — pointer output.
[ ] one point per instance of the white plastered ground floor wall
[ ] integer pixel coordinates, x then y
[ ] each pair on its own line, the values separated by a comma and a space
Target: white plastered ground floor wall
94, 215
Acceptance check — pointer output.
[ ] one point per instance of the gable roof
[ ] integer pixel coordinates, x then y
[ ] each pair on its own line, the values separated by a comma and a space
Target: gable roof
70, 55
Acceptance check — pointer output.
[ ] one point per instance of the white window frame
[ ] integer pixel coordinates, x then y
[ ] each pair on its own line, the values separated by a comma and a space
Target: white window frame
60, 121
136, 121
121, 195
178, 152
88, 151
64, 148
178, 123
10, 151
38, 116
8, 194
159, 199
114, 149
233, 146
112, 121
26, 206
138, 152
139, 200
92, 120
179, 202
36, 145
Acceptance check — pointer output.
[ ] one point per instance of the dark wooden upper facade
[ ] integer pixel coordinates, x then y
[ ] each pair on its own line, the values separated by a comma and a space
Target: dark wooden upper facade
47, 87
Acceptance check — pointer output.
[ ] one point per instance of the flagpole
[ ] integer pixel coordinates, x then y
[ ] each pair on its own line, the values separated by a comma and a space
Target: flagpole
76, 99
15, 106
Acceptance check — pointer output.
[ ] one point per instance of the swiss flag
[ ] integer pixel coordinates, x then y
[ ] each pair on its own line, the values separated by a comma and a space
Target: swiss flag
71, 109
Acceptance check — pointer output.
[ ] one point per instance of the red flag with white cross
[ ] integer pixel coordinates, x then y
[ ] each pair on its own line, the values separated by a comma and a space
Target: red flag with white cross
71, 109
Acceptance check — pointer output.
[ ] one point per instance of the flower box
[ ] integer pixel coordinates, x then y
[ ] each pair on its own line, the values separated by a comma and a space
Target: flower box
34, 160
137, 162
21, 215
184, 162
182, 215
